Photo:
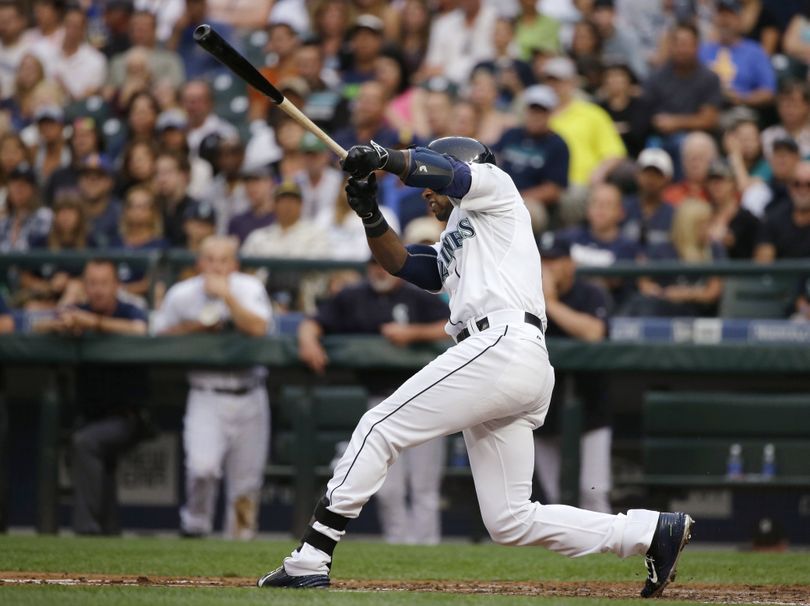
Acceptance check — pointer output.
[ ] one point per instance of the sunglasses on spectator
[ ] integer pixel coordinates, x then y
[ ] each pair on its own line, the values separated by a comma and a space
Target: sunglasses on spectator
799, 184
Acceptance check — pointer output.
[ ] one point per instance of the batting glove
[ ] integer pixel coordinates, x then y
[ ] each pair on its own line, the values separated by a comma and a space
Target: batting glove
362, 160
362, 197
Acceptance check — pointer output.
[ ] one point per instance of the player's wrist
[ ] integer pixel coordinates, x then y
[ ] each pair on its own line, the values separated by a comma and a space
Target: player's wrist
374, 223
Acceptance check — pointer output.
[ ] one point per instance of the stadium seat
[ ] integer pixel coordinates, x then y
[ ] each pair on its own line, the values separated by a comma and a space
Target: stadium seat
93, 107
762, 297
253, 46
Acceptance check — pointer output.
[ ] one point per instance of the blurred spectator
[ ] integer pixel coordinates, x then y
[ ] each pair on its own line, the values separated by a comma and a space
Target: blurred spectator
198, 103
433, 109
117, 15
390, 71
103, 209
137, 166
199, 222
290, 235
595, 146
142, 114
414, 33
14, 43
796, 41
110, 397
331, 19
167, 13
197, 62
365, 45
760, 25
28, 82
226, 428
163, 63
683, 95
618, 42
51, 151
785, 232
688, 296
282, 44
744, 69
78, 67
368, 119
47, 33
138, 79
535, 30
732, 226
651, 20
6, 319
784, 160
626, 108
697, 152
536, 157
386, 305
320, 182
511, 73
25, 218
586, 50
461, 39
171, 130
241, 14
53, 284
388, 13
171, 194
577, 309
793, 107
226, 195
483, 94
324, 105
12, 153
464, 119
258, 182
742, 141
648, 215
85, 140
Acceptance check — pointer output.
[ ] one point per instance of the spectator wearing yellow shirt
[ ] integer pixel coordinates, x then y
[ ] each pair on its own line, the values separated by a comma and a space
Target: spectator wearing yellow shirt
592, 139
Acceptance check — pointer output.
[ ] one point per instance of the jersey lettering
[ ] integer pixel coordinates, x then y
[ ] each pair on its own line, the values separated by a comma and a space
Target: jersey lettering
451, 242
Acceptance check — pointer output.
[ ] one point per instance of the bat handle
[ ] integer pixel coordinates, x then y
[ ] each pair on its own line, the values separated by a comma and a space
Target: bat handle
296, 114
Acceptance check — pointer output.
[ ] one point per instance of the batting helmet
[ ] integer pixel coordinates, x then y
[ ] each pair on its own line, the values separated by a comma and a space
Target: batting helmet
464, 149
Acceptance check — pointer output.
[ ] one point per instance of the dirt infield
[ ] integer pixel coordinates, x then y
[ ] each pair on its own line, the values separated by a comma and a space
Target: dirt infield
782, 595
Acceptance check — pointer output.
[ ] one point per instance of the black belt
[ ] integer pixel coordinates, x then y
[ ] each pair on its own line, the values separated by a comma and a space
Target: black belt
483, 324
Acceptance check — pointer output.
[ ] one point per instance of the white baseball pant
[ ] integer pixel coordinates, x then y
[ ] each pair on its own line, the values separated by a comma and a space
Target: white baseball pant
495, 386
226, 435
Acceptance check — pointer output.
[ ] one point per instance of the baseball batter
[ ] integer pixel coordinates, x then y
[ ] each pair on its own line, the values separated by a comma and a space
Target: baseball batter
494, 385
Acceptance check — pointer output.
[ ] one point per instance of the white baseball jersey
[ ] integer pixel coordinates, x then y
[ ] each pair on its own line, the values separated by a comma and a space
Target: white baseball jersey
487, 258
187, 301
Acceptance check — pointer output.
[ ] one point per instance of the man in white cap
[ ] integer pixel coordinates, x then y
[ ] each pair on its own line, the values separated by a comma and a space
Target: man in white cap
536, 157
648, 217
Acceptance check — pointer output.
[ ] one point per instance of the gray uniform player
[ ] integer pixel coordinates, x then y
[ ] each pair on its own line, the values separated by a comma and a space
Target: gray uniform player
494, 385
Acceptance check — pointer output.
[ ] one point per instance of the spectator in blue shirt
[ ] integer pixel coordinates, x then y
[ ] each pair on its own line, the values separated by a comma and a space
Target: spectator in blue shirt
742, 65
197, 62
536, 157
648, 216
368, 119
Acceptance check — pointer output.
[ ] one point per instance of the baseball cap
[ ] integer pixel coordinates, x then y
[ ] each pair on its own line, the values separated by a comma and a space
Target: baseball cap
49, 112
440, 84
287, 188
733, 6
369, 22
540, 95
96, 163
23, 171
604, 4
254, 170
552, 246
171, 118
788, 143
311, 143
657, 158
719, 168
202, 211
561, 68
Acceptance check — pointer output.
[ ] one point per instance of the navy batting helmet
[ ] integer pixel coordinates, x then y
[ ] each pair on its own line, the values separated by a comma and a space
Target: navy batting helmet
464, 149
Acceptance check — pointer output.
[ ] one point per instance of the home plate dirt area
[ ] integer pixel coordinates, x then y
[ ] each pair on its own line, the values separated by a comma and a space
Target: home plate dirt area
782, 595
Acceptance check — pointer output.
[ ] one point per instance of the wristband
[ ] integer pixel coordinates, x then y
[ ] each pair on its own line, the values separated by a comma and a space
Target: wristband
375, 224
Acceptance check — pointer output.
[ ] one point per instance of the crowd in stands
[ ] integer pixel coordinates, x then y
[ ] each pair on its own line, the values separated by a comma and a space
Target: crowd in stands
635, 130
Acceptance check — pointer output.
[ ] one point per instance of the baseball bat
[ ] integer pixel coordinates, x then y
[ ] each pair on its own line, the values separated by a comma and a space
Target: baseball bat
208, 38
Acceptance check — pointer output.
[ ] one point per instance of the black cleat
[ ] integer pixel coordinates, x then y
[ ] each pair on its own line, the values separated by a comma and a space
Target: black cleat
280, 578
671, 535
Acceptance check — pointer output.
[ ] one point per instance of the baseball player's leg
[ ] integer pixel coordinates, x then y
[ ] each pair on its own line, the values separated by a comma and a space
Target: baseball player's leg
488, 376
426, 463
249, 436
204, 445
391, 498
595, 473
501, 459
547, 466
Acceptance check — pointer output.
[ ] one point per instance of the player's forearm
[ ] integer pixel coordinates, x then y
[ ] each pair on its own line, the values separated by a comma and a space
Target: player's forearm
389, 251
576, 324
245, 320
